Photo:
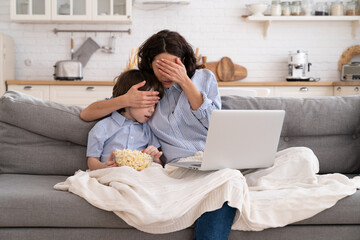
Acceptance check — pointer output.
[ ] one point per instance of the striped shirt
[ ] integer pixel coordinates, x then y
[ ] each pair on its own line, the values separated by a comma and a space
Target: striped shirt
118, 132
182, 131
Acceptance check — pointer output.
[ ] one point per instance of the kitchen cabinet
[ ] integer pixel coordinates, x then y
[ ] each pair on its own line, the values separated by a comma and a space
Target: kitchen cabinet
112, 10
30, 10
118, 11
83, 93
303, 91
39, 91
346, 90
71, 10
268, 20
79, 95
267, 91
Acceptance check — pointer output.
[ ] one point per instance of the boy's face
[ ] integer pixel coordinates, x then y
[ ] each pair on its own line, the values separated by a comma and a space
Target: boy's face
140, 115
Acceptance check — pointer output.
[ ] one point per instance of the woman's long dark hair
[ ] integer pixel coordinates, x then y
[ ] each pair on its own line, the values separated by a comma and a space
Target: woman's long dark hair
170, 42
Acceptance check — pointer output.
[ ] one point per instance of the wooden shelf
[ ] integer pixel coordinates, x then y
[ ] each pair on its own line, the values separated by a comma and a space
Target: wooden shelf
267, 20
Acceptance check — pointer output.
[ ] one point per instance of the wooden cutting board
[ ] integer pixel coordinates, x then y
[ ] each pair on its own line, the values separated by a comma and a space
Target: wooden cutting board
225, 70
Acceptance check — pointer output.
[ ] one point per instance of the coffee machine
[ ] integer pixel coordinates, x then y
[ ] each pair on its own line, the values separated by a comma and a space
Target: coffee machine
299, 67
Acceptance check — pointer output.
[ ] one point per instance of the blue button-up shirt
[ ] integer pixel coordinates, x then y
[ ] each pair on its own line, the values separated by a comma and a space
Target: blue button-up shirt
118, 132
181, 130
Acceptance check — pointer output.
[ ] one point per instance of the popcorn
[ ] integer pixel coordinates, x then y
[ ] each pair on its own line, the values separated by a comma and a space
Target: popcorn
132, 158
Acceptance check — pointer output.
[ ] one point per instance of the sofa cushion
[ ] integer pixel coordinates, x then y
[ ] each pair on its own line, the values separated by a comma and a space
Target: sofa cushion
31, 201
22, 197
50, 119
41, 137
23, 151
330, 126
345, 211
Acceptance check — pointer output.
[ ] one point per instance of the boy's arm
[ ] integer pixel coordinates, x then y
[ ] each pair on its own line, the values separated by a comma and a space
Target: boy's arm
94, 163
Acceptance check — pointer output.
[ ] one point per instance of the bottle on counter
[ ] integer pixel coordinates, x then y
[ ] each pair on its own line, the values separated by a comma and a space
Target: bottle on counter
337, 8
296, 8
352, 8
321, 9
275, 8
285, 9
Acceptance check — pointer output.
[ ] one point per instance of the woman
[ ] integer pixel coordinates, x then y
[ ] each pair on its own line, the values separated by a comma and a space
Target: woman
181, 118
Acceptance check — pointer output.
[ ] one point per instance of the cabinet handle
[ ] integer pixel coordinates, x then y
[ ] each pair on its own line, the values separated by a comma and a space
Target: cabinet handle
28, 88
304, 89
90, 89
356, 89
338, 89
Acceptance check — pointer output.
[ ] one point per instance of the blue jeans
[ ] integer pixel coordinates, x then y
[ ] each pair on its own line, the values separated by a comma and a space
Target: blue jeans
215, 225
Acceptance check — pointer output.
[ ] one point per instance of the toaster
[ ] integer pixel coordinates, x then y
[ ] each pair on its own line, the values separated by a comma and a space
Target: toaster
68, 70
350, 72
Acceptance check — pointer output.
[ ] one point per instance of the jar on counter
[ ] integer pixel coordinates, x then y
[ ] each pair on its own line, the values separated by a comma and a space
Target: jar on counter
321, 9
307, 7
296, 8
275, 8
337, 8
285, 9
352, 8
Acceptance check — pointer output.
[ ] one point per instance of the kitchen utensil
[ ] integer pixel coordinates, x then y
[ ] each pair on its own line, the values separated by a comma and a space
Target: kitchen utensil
111, 47
285, 9
239, 72
68, 70
85, 51
212, 67
298, 66
307, 7
321, 9
275, 8
351, 8
257, 9
225, 69
72, 47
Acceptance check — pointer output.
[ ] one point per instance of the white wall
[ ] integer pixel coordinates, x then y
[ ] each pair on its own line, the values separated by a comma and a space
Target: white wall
213, 26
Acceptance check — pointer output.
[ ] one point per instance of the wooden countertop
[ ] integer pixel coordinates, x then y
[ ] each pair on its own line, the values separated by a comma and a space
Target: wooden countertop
55, 82
222, 84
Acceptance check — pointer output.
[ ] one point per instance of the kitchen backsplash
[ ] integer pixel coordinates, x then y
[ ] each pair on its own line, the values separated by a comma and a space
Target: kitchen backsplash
215, 27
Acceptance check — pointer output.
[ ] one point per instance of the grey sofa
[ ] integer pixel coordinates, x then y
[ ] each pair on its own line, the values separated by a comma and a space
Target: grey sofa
41, 143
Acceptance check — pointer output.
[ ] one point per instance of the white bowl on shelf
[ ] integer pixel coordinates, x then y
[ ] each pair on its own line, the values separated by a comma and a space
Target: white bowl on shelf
257, 9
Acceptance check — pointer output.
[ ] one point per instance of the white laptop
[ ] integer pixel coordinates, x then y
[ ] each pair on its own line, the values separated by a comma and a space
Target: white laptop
240, 139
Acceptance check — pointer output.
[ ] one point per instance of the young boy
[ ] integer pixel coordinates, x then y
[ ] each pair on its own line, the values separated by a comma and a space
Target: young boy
125, 128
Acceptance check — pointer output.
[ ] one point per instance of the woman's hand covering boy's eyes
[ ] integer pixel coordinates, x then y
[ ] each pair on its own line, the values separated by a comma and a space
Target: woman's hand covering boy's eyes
173, 71
141, 99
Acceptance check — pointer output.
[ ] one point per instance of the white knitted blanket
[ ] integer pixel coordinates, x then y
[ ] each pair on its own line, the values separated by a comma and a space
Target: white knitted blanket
158, 200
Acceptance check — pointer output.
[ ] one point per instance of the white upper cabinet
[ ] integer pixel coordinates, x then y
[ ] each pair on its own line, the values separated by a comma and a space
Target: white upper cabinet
30, 10
109, 10
71, 10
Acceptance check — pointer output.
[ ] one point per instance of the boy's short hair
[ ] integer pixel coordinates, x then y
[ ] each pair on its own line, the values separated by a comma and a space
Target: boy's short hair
131, 77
